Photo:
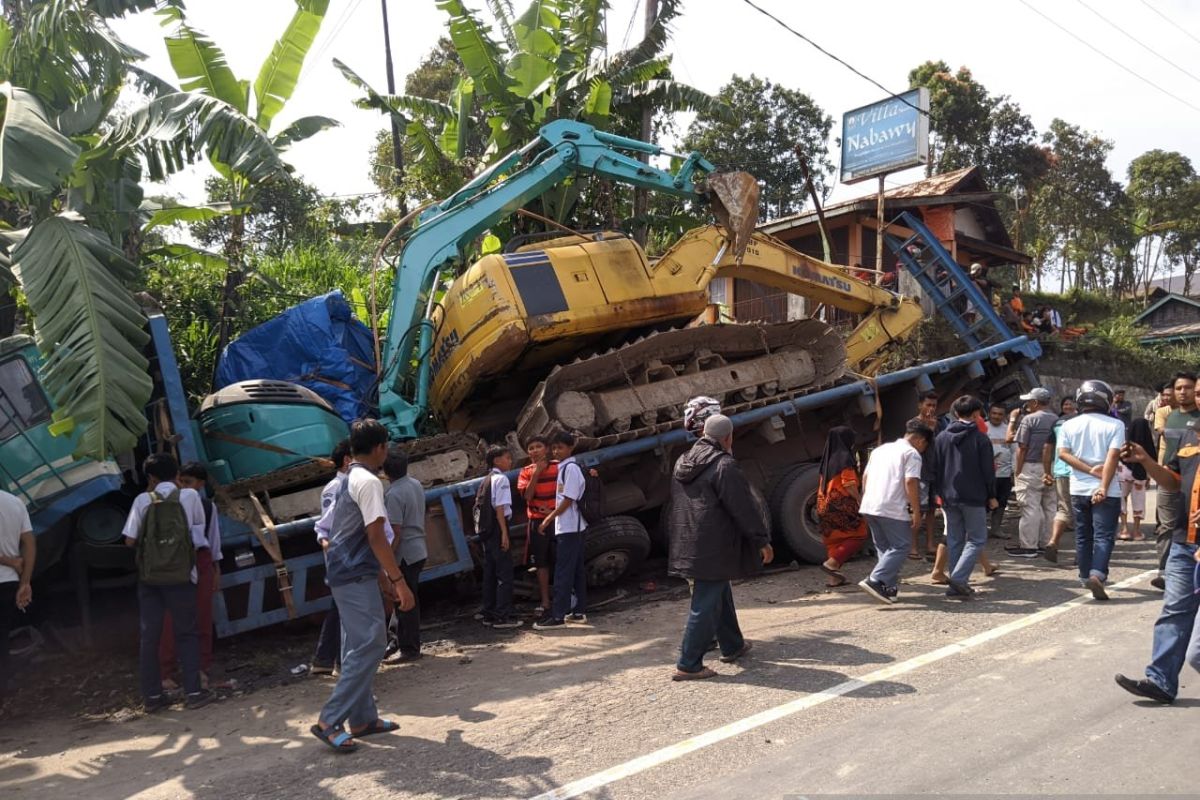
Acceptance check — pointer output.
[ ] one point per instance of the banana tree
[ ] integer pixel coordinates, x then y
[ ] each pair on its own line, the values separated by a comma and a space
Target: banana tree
71, 172
545, 64
202, 69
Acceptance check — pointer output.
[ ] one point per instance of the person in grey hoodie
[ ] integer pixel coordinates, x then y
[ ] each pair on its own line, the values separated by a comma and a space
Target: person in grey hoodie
966, 481
717, 532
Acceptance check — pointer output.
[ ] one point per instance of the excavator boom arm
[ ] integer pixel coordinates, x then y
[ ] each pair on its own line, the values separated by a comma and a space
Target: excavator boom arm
446, 229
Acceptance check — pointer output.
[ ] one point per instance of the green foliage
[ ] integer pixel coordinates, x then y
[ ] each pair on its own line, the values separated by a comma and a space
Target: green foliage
770, 124
189, 289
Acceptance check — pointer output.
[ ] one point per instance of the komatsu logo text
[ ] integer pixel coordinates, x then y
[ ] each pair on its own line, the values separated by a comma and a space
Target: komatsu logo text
809, 274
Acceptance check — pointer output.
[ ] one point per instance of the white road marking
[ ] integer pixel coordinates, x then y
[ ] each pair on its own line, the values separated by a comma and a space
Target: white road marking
738, 727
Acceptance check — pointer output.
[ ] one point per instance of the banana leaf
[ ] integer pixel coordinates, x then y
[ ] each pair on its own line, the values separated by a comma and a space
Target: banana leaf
281, 71
34, 157
90, 330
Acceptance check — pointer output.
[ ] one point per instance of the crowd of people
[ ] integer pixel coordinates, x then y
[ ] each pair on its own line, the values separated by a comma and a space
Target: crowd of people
1085, 468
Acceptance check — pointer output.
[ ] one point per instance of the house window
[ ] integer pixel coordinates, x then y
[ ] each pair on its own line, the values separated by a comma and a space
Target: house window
23, 405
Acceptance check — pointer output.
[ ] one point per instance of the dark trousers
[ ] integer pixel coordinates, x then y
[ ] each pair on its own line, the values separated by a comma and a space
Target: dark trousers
8, 621
204, 619
570, 575
1169, 507
497, 580
329, 643
153, 604
408, 623
712, 613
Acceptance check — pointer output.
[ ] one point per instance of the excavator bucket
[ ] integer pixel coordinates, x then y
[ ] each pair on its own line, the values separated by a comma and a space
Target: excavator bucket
734, 197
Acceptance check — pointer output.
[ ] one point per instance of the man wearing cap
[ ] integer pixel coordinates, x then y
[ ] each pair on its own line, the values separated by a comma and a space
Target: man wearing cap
1035, 488
717, 533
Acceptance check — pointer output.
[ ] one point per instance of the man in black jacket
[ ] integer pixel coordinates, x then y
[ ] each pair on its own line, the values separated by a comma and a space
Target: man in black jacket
717, 533
967, 483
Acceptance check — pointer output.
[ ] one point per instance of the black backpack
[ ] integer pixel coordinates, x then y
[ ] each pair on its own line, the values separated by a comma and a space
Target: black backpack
591, 505
483, 513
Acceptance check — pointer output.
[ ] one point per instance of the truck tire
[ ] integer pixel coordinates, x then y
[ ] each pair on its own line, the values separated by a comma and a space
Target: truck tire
612, 548
793, 509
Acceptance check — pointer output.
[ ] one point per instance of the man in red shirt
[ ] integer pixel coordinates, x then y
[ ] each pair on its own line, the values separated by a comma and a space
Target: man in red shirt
536, 483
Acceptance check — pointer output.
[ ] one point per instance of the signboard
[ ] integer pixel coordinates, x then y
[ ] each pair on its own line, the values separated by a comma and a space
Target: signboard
887, 136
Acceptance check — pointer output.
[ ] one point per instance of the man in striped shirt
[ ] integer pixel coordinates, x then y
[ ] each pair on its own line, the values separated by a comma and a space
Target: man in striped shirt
536, 483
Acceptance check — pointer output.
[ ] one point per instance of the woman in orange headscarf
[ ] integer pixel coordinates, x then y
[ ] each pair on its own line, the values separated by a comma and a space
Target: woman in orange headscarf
838, 496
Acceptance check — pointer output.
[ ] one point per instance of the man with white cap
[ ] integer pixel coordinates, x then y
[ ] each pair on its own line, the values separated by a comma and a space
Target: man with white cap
1034, 483
717, 533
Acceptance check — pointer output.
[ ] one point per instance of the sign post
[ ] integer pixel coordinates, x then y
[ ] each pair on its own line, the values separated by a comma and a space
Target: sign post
883, 137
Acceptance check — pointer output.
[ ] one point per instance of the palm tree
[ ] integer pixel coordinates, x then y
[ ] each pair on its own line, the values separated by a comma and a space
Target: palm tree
546, 64
71, 174
202, 68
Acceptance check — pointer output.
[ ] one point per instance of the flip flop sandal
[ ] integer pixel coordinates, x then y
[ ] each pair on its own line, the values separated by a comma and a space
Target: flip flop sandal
375, 728
841, 582
833, 573
336, 738
915, 557
699, 675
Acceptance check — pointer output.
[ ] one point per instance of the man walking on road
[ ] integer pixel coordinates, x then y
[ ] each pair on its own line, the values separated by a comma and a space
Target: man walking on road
1002, 462
1034, 494
717, 533
1091, 444
358, 550
1176, 635
967, 484
892, 506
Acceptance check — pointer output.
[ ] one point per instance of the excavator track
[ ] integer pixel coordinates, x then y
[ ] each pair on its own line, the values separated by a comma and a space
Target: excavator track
640, 389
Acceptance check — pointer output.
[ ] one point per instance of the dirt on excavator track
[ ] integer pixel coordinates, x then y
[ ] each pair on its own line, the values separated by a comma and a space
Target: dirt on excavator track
639, 389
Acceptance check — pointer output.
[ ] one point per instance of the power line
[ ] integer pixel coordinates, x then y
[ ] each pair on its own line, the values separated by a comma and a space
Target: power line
1137, 41
1182, 30
629, 27
1106, 56
828, 54
334, 32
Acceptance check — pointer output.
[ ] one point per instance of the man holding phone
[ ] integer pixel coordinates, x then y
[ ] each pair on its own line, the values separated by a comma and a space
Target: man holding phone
1176, 635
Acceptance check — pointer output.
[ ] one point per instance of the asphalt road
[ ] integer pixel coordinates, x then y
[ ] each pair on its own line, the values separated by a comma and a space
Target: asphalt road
1010, 693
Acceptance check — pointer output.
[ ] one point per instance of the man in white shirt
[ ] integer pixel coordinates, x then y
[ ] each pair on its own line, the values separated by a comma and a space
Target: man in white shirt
497, 611
891, 504
1090, 444
570, 575
17, 555
329, 642
155, 600
1002, 461
358, 549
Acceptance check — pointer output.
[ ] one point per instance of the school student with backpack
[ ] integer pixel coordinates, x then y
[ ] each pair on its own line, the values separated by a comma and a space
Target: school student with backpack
492, 512
167, 525
570, 522
193, 475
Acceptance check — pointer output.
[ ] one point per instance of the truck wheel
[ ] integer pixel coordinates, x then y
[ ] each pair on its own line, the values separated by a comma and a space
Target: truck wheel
794, 510
612, 547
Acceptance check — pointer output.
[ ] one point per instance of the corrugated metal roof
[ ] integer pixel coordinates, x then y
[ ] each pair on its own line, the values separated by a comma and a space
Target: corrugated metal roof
935, 186
1186, 330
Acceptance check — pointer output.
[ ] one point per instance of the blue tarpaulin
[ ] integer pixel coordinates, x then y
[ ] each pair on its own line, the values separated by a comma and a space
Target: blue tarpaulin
317, 344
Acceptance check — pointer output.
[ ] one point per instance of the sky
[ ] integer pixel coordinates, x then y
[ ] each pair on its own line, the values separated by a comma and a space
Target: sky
1009, 45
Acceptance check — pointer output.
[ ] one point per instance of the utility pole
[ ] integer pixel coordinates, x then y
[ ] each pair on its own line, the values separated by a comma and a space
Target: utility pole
640, 197
397, 152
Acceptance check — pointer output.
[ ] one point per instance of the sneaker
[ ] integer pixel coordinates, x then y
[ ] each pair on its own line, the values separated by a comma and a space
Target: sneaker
507, 622
877, 590
1050, 553
576, 619
540, 611
480, 616
1022, 552
199, 699
959, 590
1159, 582
549, 624
1148, 689
152, 705
1097, 588
485, 619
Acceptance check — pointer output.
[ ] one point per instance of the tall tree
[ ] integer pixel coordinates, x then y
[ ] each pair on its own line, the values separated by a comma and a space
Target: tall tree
1159, 188
72, 165
959, 111
201, 67
769, 124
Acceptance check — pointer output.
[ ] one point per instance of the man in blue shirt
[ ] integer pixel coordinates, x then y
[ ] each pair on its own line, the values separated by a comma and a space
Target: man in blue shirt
1091, 445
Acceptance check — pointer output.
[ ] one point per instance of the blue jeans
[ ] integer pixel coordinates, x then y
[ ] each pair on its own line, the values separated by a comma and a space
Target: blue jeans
966, 534
712, 613
892, 538
570, 575
1176, 634
1095, 534
364, 639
